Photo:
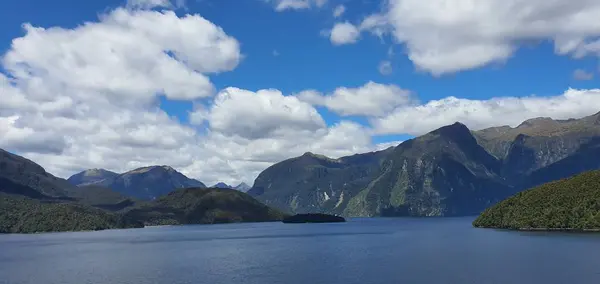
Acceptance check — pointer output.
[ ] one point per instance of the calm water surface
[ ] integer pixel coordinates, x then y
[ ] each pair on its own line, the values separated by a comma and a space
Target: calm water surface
370, 251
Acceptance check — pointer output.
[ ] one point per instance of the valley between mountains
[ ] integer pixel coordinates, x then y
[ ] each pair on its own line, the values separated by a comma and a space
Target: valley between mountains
450, 171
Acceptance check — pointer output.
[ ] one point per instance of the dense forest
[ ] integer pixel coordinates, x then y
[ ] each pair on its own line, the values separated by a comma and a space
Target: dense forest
24, 215
203, 206
569, 204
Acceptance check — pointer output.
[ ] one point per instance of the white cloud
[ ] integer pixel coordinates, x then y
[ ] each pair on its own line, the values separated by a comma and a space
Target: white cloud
88, 99
283, 5
385, 67
385, 145
446, 36
479, 114
339, 11
582, 75
264, 113
344, 33
348, 33
131, 53
371, 99
276, 53
250, 131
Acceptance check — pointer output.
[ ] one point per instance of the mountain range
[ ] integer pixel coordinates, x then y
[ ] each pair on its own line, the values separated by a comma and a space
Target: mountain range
33, 200
451, 171
243, 187
145, 183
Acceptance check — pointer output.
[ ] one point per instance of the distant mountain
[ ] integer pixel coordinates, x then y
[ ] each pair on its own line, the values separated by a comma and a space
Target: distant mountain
568, 204
148, 183
222, 185
538, 142
243, 187
203, 206
32, 200
92, 176
451, 171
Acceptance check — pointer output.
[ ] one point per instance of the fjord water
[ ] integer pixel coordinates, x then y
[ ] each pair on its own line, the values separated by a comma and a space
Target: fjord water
379, 250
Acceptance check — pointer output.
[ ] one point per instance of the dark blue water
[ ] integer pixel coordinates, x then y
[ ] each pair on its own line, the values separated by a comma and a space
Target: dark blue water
361, 251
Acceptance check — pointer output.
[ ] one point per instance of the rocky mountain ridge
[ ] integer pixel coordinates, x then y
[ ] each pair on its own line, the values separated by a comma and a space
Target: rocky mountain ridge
146, 183
451, 171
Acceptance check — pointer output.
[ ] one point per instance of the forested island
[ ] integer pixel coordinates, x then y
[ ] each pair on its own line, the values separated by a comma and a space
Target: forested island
314, 218
571, 204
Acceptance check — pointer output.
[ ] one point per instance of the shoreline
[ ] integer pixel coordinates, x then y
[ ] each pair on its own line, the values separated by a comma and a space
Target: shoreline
564, 230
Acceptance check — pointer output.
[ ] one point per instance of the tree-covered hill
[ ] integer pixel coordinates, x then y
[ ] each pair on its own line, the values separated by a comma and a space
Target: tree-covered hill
203, 206
570, 204
20, 214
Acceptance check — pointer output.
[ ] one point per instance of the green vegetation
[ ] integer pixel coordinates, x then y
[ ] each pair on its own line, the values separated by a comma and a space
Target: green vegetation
569, 204
24, 215
203, 206
102, 197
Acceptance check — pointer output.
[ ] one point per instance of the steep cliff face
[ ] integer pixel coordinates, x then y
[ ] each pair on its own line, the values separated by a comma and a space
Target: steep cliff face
442, 173
538, 142
450, 171
315, 183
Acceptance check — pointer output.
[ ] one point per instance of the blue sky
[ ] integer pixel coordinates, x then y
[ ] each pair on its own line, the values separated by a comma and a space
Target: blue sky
291, 51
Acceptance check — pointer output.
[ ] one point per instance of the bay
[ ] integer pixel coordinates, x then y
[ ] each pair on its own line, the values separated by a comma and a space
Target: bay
369, 250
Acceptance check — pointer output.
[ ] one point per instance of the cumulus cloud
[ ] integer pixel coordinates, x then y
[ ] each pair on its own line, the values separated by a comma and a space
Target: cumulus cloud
479, 114
88, 99
131, 53
371, 99
283, 5
444, 36
339, 11
582, 75
344, 33
250, 131
262, 114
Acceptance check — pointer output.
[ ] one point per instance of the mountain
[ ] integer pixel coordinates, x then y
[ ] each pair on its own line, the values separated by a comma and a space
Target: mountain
148, 183
222, 185
92, 176
317, 184
32, 200
243, 187
538, 142
568, 204
203, 206
29, 174
451, 171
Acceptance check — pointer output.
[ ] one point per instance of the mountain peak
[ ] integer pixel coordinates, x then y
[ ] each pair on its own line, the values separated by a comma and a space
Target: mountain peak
454, 130
536, 121
242, 187
149, 168
222, 185
317, 156
95, 172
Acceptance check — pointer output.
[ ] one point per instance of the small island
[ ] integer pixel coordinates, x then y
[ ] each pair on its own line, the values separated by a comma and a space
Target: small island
313, 218
571, 204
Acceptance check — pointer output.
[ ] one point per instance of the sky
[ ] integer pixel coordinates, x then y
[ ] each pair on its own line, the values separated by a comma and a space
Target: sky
220, 90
